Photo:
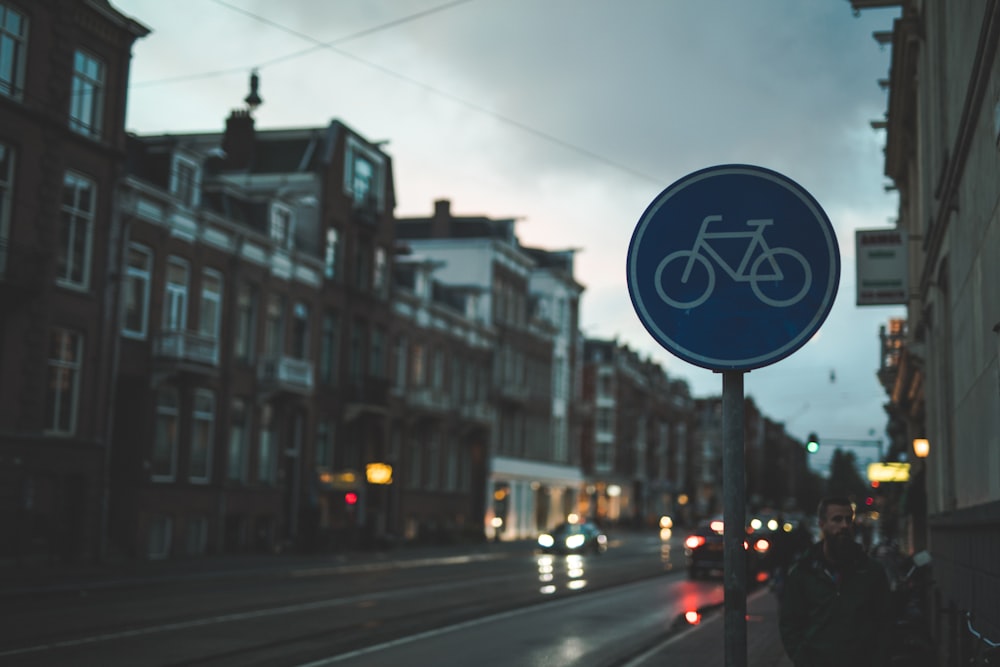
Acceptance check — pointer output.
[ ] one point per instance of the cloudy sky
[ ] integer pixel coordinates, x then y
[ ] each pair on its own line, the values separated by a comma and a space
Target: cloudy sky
572, 115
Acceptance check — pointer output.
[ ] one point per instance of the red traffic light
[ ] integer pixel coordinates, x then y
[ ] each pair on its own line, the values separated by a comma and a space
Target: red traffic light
351, 498
869, 500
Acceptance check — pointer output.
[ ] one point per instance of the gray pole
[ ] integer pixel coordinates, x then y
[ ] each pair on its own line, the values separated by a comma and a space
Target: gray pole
734, 516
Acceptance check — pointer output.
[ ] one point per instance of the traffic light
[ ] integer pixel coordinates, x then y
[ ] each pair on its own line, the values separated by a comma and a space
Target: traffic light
812, 445
351, 498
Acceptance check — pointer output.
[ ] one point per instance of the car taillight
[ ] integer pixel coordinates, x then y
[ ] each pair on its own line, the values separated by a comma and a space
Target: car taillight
761, 545
694, 541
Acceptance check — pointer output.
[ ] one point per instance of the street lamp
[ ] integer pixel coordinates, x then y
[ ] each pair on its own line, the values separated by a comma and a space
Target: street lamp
921, 447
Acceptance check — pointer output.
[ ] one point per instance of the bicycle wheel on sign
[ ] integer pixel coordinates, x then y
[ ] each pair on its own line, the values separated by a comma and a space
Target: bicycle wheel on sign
780, 277
684, 279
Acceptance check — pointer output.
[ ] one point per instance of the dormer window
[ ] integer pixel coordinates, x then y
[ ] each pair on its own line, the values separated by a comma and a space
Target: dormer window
282, 225
364, 172
185, 180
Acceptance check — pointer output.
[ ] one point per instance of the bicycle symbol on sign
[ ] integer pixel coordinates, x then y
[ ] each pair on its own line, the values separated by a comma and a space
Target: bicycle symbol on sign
764, 272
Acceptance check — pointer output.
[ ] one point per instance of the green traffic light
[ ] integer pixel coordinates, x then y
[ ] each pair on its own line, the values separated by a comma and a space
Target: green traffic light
812, 446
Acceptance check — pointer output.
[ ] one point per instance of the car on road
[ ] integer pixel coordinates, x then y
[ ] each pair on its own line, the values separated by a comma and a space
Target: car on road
574, 537
705, 551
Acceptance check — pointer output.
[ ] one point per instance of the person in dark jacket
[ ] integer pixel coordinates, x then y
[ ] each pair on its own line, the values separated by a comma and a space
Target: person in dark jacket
834, 609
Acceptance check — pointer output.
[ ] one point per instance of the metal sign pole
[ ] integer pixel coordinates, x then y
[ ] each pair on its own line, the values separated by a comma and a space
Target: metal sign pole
734, 518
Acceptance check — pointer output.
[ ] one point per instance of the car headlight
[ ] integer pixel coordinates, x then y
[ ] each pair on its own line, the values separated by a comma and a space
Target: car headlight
575, 541
666, 522
545, 540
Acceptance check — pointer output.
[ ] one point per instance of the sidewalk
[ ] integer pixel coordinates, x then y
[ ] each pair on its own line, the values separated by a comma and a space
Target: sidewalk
704, 645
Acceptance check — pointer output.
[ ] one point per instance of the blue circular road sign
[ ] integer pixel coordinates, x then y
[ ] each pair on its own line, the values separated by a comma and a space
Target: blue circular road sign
733, 267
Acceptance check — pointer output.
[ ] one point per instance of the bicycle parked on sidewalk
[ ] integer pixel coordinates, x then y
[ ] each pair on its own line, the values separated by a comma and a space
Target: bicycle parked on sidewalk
986, 651
910, 579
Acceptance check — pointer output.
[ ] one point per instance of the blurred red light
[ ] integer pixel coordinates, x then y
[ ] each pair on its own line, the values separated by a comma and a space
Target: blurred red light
351, 498
692, 617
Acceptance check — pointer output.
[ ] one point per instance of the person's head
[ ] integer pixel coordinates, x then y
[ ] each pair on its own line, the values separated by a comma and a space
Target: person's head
836, 524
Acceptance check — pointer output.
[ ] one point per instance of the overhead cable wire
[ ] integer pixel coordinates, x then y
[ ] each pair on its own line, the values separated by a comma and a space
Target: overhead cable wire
318, 44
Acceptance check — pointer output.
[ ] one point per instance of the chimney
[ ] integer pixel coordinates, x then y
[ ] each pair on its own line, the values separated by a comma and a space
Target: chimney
239, 140
441, 222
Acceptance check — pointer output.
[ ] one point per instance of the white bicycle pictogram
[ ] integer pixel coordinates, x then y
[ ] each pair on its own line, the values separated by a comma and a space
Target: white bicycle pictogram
764, 269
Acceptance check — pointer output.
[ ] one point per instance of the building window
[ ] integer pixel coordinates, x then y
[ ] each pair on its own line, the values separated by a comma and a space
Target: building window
13, 50
330, 350
415, 469
437, 369
236, 457
377, 368
185, 181
266, 463
86, 97
197, 535
363, 266
6, 194
246, 322
362, 179
158, 542
300, 331
75, 231
274, 327
202, 438
434, 462
62, 391
164, 464
211, 304
330, 253
135, 298
282, 231
355, 361
381, 278
176, 295
451, 467
399, 364
419, 368
324, 445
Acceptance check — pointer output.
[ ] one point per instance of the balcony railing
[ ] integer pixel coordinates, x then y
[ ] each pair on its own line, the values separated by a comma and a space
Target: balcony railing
478, 412
187, 347
512, 392
286, 374
428, 398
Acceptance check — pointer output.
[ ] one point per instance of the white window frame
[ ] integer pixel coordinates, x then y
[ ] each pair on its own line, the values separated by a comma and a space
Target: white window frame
7, 157
86, 105
65, 366
171, 414
142, 277
210, 307
12, 70
75, 219
187, 190
202, 434
175, 296
282, 226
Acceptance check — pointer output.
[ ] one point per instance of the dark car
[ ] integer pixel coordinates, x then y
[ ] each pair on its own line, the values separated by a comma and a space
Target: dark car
579, 537
705, 550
